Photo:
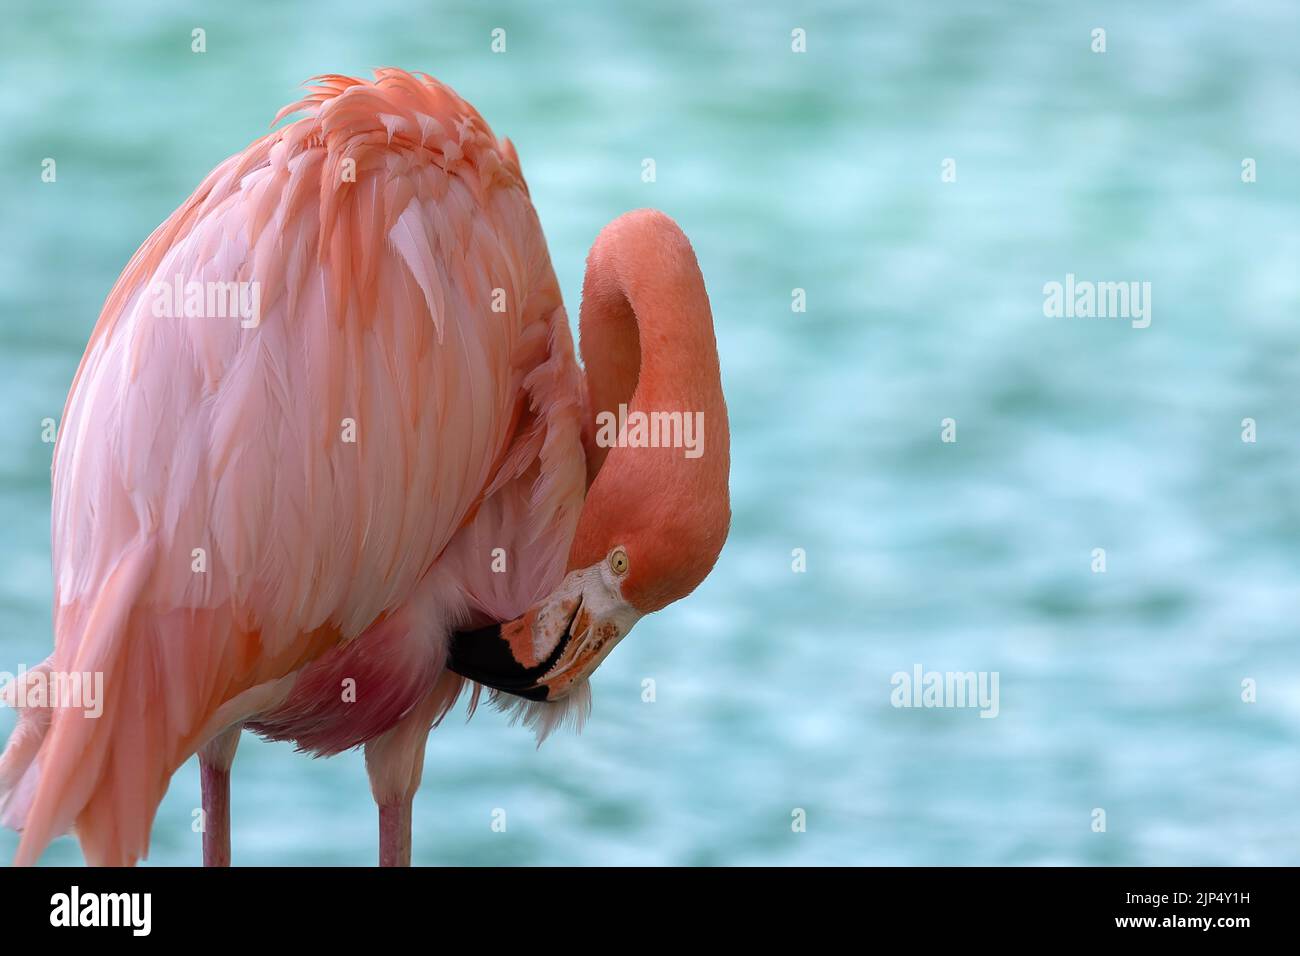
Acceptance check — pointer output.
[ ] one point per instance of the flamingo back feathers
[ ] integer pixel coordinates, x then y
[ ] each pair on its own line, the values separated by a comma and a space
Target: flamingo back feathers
214, 529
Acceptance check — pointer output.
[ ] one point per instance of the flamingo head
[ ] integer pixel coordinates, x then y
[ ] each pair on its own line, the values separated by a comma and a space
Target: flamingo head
657, 443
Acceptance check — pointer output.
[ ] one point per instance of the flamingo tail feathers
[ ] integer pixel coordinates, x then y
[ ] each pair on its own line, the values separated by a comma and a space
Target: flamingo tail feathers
69, 766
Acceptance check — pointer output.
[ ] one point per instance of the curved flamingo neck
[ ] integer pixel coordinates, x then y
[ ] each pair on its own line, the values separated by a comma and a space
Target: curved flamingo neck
646, 327
648, 346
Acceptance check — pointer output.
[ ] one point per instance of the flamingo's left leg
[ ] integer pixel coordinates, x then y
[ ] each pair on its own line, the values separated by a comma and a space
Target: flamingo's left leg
215, 758
395, 762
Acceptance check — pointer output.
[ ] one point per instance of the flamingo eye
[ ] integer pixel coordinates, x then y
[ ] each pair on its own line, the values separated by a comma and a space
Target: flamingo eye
618, 561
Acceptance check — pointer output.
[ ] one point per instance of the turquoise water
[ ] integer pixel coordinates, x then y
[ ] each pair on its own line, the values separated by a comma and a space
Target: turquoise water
821, 171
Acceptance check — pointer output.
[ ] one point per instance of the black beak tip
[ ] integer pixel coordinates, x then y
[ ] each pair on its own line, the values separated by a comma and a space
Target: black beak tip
483, 655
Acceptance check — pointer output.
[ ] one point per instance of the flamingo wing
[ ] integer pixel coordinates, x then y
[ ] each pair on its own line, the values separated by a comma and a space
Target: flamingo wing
234, 495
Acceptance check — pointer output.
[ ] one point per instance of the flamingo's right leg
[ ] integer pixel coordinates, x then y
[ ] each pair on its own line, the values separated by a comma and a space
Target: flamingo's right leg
395, 763
215, 758
395, 832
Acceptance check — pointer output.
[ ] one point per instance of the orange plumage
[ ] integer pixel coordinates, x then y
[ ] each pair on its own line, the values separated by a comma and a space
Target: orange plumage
249, 514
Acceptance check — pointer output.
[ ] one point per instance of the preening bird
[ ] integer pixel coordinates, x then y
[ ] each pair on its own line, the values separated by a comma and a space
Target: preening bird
321, 517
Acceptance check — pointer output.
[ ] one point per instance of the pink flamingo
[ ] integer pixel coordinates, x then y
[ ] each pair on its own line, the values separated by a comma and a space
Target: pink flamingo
319, 521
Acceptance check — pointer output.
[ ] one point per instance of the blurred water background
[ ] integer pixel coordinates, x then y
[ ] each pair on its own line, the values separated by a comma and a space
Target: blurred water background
819, 171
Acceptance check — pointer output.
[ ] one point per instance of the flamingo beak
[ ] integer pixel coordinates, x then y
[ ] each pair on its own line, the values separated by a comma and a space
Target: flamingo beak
557, 644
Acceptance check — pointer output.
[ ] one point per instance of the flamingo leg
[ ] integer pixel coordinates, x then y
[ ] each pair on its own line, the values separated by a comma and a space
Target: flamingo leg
215, 758
395, 833
395, 763
216, 815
